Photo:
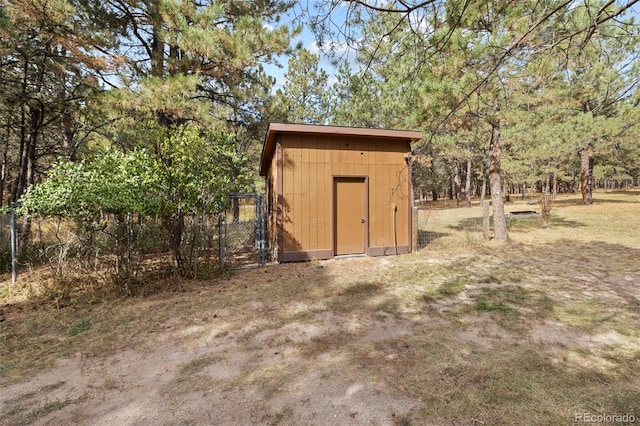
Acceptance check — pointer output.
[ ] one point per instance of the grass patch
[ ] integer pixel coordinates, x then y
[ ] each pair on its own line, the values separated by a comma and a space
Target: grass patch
52, 386
450, 288
360, 290
594, 316
461, 383
512, 306
279, 417
198, 364
328, 343
453, 287
189, 378
268, 380
47, 409
387, 306
79, 326
525, 224
485, 305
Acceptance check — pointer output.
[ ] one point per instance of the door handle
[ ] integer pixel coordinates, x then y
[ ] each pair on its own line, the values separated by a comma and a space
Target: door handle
362, 220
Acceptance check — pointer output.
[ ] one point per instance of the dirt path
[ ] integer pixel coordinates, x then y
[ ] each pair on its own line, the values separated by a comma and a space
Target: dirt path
237, 368
152, 387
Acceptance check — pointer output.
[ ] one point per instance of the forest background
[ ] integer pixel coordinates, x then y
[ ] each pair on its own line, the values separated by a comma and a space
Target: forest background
140, 116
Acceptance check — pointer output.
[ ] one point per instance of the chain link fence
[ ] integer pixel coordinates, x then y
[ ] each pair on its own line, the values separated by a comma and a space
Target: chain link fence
445, 222
129, 254
242, 237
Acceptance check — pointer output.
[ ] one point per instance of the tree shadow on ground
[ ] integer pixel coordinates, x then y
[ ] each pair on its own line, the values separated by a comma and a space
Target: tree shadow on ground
610, 268
529, 224
596, 200
519, 224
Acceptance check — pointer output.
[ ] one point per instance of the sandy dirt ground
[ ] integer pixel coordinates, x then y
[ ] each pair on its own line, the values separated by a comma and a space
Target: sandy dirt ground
236, 368
338, 341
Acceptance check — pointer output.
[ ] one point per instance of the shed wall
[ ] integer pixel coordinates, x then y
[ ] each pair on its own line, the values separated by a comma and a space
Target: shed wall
309, 162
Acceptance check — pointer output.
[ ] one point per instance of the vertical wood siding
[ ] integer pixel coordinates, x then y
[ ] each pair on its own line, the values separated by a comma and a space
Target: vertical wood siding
310, 162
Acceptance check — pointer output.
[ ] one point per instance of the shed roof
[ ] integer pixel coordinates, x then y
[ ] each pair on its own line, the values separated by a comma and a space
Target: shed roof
279, 128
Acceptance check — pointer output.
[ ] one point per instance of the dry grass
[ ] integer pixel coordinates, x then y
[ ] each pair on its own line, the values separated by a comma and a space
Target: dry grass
462, 332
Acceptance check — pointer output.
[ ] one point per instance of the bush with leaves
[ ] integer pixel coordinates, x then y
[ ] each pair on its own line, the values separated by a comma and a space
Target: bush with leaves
100, 196
185, 176
112, 183
196, 180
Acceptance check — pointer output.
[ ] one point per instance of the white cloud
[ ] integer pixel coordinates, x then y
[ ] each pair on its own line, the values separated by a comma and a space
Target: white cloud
339, 50
420, 23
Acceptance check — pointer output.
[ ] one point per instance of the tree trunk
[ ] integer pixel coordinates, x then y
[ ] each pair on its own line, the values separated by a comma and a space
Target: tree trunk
17, 185
70, 146
457, 184
175, 228
467, 185
586, 176
235, 203
157, 41
499, 219
29, 170
3, 168
547, 185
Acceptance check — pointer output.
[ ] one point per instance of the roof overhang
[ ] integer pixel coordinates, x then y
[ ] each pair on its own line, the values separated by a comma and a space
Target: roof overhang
274, 129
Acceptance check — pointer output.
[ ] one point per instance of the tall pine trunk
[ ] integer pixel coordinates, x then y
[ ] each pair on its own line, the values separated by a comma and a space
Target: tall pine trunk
499, 219
586, 176
457, 184
467, 185
4, 167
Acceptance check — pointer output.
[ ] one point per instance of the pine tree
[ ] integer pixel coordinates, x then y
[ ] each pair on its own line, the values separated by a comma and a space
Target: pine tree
303, 98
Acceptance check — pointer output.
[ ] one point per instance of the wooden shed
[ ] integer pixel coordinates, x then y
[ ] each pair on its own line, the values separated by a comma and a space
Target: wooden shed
337, 191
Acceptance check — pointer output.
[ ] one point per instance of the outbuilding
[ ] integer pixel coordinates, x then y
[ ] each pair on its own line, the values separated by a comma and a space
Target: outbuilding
333, 191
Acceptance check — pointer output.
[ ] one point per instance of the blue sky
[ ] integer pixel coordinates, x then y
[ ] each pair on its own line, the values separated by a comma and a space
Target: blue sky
307, 39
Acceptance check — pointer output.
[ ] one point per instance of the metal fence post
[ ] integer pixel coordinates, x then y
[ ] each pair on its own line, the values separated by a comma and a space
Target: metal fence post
414, 228
220, 257
262, 231
486, 226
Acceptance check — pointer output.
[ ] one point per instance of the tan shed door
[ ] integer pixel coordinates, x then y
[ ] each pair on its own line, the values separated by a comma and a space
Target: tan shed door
349, 215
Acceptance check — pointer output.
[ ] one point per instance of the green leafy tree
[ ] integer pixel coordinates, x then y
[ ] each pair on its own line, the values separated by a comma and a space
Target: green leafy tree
195, 62
572, 105
195, 181
186, 178
114, 185
601, 73
166, 64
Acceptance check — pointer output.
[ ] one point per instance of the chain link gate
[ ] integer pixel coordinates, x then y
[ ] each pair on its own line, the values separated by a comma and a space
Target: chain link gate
242, 232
